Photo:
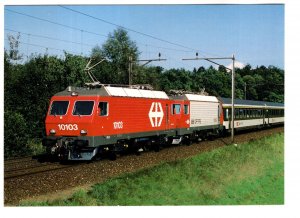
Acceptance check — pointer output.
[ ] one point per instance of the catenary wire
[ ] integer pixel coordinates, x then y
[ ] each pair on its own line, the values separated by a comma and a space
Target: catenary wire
47, 37
82, 30
135, 31
128, 29
42, 46
90, 32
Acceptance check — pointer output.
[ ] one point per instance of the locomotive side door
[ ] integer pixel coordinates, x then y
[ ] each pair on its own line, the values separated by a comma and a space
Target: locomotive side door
185, 115
175, 115
102, 117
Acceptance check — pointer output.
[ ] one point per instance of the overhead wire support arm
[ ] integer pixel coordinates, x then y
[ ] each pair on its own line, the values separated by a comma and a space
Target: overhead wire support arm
135, 61
150, 60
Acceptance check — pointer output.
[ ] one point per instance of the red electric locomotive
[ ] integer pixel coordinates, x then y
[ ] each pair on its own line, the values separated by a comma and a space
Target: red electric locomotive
83, 123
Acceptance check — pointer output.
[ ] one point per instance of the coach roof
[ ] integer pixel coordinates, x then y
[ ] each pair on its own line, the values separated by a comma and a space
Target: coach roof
237, 102
194, 97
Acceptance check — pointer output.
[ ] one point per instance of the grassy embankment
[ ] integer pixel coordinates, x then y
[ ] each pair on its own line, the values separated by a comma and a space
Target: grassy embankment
252, 173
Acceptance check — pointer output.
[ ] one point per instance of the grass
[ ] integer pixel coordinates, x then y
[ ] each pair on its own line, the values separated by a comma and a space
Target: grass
249, 174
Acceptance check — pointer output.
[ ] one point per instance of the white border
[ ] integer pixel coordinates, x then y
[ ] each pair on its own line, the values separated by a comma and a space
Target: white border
292, 181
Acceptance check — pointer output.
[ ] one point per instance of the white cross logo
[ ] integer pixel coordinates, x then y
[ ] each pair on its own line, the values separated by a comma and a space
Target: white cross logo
157, 113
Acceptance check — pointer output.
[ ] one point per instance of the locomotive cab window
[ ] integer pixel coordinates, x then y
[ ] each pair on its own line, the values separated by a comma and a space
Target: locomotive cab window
84, 108
59, 107
103, 106
186, 109
176, 109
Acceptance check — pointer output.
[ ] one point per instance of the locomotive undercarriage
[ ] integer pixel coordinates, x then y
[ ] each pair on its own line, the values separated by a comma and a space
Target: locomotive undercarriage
69, 148
73, 148
90, 148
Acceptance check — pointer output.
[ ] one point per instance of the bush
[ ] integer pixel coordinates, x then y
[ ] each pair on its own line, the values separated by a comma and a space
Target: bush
15, 135
35, 146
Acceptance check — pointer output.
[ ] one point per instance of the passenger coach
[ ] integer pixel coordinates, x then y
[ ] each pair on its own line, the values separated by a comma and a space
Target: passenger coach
252, 114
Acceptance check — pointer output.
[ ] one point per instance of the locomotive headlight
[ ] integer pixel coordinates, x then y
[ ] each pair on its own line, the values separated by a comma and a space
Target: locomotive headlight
83, 132
74, 93
52, 131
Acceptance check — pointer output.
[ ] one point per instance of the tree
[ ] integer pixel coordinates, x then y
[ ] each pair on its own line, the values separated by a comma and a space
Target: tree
250, 83
117, 49
148, 75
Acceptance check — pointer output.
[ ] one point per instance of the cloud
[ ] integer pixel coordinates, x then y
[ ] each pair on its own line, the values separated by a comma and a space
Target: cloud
237, 64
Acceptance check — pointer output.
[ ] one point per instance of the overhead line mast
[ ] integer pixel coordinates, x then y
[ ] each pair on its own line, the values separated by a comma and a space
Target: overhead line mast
232, 83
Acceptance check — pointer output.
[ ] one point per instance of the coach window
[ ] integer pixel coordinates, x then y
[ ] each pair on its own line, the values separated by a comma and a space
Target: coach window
259, 113
236, 113
186, 109
227, 114
248, 113
241, 114
103, 106
254, 113
176, 109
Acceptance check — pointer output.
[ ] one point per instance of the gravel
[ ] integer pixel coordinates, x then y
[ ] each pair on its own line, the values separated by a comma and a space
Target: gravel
52, 182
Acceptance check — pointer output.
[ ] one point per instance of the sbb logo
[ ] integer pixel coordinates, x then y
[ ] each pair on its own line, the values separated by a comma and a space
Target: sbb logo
156, 114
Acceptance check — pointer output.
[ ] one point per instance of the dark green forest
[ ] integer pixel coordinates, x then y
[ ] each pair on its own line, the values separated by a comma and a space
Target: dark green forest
29, 85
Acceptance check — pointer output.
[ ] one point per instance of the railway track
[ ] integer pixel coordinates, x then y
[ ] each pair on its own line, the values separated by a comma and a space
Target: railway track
21, 167
33, 170
18, 160
27, 166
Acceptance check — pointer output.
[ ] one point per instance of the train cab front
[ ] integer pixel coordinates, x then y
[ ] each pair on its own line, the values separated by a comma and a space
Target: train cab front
68, 127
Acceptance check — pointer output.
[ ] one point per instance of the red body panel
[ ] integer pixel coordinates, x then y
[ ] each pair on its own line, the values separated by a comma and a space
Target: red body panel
125, 115
221, 114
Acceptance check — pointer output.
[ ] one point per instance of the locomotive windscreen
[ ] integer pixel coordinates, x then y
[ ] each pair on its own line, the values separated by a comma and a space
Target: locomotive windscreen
83, 108
59, 107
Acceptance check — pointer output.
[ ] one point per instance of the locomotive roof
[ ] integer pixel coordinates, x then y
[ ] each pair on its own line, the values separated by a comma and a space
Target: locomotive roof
194, 97
237, 102
114, 91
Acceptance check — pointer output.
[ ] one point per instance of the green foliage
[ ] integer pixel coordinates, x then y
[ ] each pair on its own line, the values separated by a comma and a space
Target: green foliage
28, 89
173, 79
35, 147
251, 174
15, 134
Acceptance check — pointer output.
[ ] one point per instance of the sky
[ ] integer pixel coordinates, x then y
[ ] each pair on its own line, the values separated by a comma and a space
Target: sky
254, 34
